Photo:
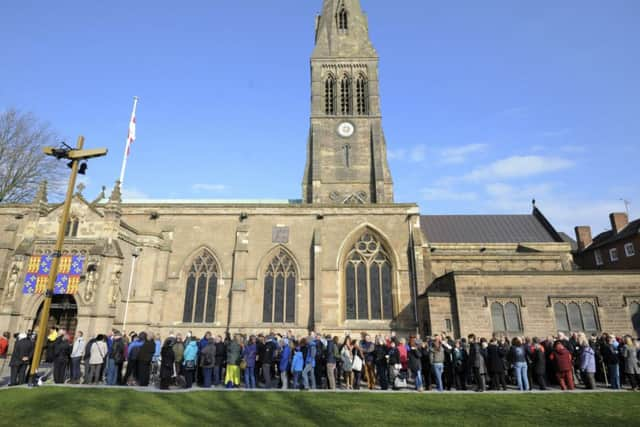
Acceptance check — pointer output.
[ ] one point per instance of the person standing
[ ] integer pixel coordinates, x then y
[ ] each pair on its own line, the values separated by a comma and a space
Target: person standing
285, 361
381, 361
20, 358
477, 359
208, 361
145, 356
631, 369
587, 362
539, 364
115, 359
234, 354
190, 362
437, 356
167, 363
347, 362
77, 353
564, 366
519, 360
611, 356
267, 361
61, 353
4, 345
96, 358
495, 365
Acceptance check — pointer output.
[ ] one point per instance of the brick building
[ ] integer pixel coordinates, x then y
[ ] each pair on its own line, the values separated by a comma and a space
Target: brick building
615, 249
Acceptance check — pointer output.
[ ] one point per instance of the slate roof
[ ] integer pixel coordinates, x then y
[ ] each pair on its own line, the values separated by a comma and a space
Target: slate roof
487, 229
609, 236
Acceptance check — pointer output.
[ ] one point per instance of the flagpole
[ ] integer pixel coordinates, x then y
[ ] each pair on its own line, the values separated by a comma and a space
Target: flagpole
128, 144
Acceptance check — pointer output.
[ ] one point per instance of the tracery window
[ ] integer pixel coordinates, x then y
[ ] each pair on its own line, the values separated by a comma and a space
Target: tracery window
346, 95
362, 95
343, 19
201, 290
506, 317
330, 96
574, 316
279, 302
368, 280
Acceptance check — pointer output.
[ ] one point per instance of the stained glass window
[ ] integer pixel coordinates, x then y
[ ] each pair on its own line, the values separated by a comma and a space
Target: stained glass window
368, 281
497, 315
201, 290
506, 317
562, 320
634, 308
575, 317
280, 290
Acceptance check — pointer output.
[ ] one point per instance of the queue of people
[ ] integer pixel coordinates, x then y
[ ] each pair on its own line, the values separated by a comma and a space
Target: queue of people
330, 362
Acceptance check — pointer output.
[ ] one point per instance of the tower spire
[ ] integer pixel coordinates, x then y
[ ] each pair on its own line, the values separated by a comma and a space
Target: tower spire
343, 30
346, 154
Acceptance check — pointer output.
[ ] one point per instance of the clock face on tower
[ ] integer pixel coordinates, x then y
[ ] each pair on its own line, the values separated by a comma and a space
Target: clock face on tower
346, 129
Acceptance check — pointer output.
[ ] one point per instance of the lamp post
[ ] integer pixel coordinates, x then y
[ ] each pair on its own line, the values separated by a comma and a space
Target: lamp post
76, 156
135, 254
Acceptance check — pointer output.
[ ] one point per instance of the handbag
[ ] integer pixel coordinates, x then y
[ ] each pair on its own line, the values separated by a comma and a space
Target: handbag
190, 364
243, 364
357, 363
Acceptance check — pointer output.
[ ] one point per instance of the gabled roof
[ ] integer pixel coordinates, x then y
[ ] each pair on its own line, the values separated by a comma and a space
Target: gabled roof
488, 229
609, 236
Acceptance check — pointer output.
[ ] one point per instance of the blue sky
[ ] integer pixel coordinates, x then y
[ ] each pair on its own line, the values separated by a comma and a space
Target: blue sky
486, 105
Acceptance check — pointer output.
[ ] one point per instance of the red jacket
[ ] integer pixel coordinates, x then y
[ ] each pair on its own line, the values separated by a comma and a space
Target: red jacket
562, 357
4, 345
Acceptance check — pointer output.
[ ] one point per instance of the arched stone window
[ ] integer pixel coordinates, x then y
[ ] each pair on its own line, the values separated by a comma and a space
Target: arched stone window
562, 320
362, 95
279, 304
505, 317
573, 316
343, 19
201, 290
330, 96
368, 280
346, 96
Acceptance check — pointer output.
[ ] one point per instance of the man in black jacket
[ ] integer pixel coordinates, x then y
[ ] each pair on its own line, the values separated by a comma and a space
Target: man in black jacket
61, 353
115, 360
221, 354
267, 361
22, 353
145, 356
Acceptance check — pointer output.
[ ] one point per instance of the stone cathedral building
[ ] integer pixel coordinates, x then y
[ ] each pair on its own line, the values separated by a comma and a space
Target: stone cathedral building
343, 258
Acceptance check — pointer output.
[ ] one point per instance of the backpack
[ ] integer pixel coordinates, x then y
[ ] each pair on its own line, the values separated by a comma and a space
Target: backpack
207, 358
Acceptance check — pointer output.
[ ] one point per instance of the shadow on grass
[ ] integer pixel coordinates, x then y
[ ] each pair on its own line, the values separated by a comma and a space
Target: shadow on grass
81, 407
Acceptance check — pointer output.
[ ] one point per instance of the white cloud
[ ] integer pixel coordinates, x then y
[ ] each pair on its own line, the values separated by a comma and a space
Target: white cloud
208, 188
519, 167
516, 198
418, 153
459, 154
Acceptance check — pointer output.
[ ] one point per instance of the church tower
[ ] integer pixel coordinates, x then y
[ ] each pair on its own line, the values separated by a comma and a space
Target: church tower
346, 154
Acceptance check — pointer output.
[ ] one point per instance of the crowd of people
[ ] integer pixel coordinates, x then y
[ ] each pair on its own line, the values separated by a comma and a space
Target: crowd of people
331, 362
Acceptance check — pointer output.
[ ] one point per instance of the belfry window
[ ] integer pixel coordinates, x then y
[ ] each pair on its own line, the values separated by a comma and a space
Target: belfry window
202, 290
343, 19
279, 302
362, 96
345, 96
330, 96
368, 281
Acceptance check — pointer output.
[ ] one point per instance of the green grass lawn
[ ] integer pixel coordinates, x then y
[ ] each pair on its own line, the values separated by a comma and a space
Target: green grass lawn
52, 406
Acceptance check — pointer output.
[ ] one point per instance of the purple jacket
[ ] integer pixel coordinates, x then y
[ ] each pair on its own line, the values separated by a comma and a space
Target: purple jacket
587, 360
249, 355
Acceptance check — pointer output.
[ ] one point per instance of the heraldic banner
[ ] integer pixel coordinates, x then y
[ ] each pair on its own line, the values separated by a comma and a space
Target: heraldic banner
67, 280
